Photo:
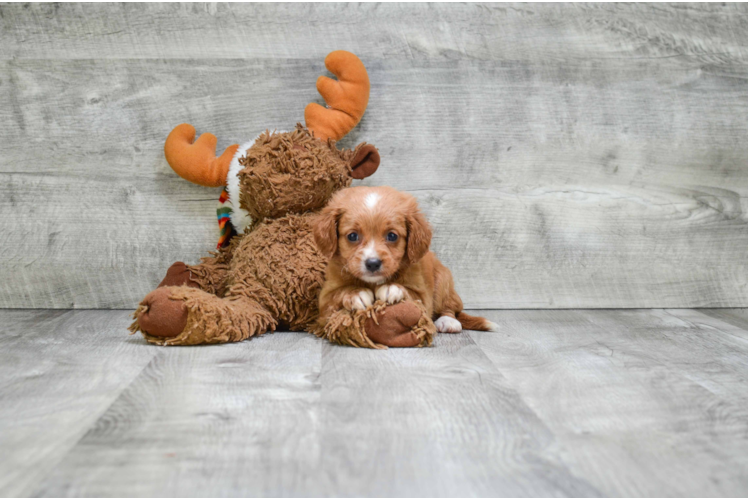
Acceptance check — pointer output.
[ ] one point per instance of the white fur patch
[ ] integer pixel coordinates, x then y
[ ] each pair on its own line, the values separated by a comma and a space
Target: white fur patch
447, 324
362, 300
374, 280
391, 294
240, 218
370, 251
492, 327
371, 200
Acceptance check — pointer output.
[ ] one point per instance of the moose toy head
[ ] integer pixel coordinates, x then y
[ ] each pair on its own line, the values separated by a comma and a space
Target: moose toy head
286, 172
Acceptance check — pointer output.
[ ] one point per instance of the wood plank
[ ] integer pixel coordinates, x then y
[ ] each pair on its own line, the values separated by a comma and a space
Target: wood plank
735, 317
59, 372
563, 233
641, 403
227, 420
717, 371
573, 403
568, 155
290, 415
708, 32
436, 422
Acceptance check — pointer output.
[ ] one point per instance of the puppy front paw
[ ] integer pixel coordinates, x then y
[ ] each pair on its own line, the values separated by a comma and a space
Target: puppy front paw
390, 294
448, 324
359, 300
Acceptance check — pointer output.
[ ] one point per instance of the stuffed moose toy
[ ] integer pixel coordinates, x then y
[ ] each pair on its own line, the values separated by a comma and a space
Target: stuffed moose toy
268, 271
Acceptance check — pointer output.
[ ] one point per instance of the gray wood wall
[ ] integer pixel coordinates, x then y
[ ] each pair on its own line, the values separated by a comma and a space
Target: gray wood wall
567, 155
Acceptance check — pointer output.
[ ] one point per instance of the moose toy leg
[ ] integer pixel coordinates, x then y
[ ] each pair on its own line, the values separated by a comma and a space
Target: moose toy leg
404, 324
209, 275
179, 274
186, 316
400, 325
160, 316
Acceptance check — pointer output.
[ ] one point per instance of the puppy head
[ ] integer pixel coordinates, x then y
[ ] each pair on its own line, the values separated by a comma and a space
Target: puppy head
375, 231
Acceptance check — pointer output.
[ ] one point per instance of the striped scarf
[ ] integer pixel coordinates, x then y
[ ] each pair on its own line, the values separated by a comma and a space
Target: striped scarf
227, 230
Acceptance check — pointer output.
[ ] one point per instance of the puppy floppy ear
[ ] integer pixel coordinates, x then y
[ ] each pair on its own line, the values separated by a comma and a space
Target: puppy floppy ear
419, 234
326, 230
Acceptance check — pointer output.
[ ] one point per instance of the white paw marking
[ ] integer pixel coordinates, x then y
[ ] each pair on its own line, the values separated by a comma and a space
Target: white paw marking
447, 324
362, 300
390, 293
371, 200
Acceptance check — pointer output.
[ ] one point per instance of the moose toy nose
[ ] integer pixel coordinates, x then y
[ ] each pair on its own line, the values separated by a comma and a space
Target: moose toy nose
373, 265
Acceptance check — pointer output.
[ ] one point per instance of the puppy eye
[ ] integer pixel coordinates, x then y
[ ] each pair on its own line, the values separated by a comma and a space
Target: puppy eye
391, 237
352, 237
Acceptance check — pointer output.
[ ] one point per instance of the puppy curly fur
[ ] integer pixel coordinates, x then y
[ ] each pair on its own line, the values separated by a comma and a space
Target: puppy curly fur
377, 240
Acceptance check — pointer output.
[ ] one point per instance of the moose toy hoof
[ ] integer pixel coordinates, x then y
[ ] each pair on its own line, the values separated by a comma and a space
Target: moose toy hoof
394, 325
162, 316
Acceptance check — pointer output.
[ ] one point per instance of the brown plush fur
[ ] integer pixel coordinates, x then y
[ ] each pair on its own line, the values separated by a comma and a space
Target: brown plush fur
291, 172
272, 274
401, 325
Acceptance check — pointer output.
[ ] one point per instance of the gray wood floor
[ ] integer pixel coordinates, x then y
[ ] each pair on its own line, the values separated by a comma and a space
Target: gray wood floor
572, 402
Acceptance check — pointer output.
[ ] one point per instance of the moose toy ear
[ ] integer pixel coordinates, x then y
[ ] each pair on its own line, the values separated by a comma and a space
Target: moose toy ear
365, 162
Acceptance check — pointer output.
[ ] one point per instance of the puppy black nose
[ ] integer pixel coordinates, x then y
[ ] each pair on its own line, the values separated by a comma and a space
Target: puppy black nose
373, 265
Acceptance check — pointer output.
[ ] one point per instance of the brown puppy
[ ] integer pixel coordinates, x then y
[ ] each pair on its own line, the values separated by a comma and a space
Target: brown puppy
378, 241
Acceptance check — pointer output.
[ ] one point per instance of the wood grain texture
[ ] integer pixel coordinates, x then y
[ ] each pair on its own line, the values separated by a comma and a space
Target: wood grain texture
59, 373
434, 422
239, 417
567, 155
603, 381
431, 31
557, 403
736, 317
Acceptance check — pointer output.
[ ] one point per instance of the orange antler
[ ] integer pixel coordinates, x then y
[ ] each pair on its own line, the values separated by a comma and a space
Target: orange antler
346, 97
197, 162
